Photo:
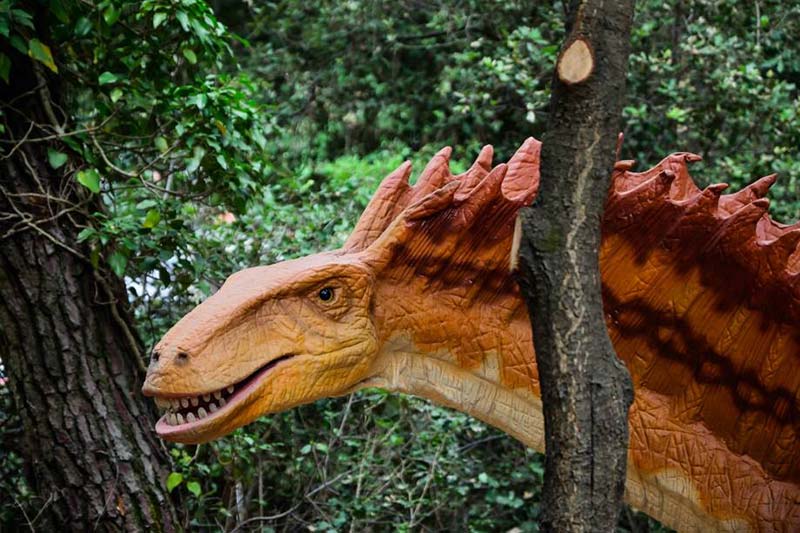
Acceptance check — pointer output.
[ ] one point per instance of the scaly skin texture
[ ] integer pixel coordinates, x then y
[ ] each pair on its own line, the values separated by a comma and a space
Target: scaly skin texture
702, 302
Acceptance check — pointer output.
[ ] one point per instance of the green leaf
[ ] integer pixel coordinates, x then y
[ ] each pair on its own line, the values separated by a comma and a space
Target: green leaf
116, 94
173, 480
85, 234
117, 262
58, 8
161, 144
41, 52
146, 204
5, 67
111, 14
107, 77
194, 488
56, 158
89, 179
158, 19
152, 219
190, 56
83, 27
183, 18
19, 43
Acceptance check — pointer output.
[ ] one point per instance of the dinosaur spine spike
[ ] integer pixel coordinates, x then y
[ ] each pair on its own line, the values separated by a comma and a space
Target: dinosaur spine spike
433, 202
487, 191
624, 165
754, 191
781, 249
629, 204
479, 169
522, 180
708, 199
485, 157
435, 174
387, 202
741, 225
683, 187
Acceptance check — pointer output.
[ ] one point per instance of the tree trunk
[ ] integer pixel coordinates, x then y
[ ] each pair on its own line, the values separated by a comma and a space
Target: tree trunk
67, 341
586, 389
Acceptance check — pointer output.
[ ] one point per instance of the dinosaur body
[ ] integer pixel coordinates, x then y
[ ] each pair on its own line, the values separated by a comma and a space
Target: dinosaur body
702, 301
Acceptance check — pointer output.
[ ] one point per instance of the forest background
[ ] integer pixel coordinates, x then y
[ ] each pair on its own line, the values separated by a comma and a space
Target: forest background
230, 134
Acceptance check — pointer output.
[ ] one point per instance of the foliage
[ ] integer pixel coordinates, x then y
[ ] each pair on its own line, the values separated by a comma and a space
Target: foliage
717, 78
204, 168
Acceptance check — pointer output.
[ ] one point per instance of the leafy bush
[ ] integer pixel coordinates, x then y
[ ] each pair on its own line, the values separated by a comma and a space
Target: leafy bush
206, 168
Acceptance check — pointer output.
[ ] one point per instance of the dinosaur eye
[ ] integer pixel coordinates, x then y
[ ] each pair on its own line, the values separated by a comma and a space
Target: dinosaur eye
326, 294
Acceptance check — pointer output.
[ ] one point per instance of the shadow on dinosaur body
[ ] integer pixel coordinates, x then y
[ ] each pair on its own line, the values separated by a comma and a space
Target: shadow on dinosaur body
702, 302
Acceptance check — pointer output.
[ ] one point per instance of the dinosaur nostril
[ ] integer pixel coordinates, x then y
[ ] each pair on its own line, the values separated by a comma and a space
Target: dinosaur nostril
155, 355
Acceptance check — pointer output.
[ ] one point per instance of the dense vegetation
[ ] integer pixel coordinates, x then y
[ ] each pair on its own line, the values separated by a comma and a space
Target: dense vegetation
228, 135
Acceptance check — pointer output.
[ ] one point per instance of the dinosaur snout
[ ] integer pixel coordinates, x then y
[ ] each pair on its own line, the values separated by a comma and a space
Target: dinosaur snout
164, 360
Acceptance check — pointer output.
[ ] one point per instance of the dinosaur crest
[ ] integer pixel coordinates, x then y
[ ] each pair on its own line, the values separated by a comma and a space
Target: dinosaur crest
453, 229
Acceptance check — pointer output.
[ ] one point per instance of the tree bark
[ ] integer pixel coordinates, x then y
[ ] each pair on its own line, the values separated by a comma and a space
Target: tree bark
67, 341
586, 389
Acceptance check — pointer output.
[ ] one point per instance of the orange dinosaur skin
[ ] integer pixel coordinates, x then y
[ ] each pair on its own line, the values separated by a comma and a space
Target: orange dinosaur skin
702, 302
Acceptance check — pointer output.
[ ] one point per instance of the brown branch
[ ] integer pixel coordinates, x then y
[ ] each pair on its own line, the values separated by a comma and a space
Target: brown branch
586, 390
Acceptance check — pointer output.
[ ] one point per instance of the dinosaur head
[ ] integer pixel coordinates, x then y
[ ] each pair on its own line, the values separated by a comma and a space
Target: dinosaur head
270, 339
279, 336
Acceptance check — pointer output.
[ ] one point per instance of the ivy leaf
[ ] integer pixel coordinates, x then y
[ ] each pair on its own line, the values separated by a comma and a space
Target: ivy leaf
41, 52
89, 179
183, 18
83, 27
158, 19
146, 204
56, 158
107, 77
116, 94
19, 43
194, 488
58, 8
111, 14
117, 262
173, 480
152, 219
161, 144
86, 233
190, 56
5, 67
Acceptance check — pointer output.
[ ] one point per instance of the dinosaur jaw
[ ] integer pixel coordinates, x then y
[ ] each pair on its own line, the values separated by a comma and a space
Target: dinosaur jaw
202, 417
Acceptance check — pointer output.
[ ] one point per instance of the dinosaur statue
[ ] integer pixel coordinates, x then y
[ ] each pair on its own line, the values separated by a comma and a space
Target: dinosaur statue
701, 295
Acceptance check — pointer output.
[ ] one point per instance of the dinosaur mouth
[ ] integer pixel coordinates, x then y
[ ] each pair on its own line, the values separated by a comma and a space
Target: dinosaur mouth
189, 412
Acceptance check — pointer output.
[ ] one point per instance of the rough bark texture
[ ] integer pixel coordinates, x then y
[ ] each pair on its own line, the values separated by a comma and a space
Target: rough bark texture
68, 343
586, 390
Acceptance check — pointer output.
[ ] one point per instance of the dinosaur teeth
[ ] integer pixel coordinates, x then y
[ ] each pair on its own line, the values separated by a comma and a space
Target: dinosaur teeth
193, 408
162, 403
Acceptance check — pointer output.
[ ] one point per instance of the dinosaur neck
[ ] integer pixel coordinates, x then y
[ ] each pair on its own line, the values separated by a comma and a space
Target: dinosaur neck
458, 361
